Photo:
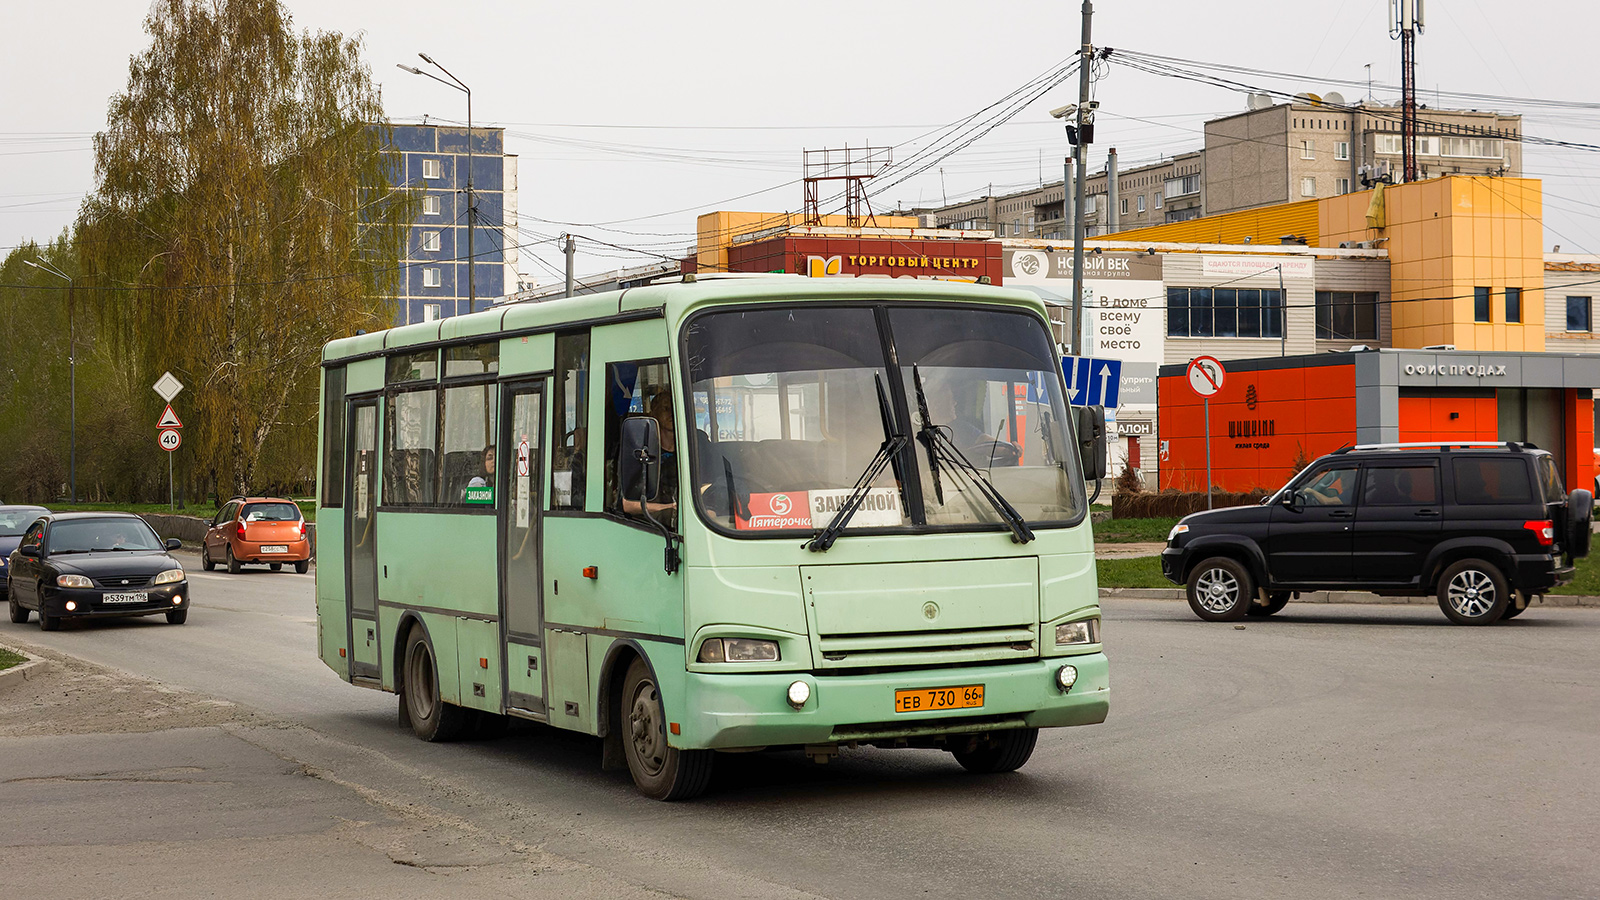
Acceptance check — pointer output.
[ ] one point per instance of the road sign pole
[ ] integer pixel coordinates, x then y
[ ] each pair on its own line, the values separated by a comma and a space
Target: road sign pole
172, 506
1207, 402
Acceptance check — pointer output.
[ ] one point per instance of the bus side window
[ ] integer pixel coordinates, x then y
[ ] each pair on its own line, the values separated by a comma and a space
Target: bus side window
570, 422
641, 388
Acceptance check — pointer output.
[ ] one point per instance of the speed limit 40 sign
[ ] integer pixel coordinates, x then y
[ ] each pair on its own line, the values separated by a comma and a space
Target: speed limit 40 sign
169, 439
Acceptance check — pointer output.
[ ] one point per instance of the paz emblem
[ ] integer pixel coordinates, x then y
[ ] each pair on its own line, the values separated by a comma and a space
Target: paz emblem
930, 610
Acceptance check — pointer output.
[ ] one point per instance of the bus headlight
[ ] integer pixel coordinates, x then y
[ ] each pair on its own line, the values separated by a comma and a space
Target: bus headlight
73, 581
716, 650
1083, 631
168, 577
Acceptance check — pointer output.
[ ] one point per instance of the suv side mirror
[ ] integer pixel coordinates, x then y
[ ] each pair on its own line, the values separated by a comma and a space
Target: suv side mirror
29, 549
639, 459
174, 544
1091, 434
1292, 500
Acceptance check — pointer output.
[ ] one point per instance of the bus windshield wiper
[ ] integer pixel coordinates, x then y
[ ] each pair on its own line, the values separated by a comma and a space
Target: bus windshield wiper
888, 451
937, 441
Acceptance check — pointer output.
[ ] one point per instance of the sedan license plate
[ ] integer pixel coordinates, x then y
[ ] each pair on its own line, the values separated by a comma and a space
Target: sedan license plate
966, 696
129, 597
275, 548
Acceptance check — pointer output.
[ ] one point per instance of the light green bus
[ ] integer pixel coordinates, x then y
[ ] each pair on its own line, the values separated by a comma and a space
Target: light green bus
724, 514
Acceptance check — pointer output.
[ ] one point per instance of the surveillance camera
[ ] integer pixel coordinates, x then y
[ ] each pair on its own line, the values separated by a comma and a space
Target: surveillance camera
1094, 104
1062, 112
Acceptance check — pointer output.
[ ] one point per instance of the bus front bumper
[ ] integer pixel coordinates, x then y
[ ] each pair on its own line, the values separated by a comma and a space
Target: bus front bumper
750, 711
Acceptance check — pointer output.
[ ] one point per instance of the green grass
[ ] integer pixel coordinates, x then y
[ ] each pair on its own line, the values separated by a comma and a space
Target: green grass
1133, 531
1134, 572
1586, 581
308, 508
9, 659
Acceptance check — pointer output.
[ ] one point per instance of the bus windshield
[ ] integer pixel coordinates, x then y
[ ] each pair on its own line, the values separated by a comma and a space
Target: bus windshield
791, 406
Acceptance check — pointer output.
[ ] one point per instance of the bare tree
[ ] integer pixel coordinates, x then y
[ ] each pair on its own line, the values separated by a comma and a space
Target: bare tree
245, 213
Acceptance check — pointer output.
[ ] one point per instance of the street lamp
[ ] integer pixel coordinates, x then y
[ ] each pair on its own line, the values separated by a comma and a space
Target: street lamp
72, 370
472, 204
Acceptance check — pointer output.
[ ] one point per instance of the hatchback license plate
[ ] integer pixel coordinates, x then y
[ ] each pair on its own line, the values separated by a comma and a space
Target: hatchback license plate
275, 548
129, 597
966, 696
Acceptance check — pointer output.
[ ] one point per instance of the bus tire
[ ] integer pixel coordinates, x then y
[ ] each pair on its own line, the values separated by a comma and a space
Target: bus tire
432, 719
1003, 751
661, 772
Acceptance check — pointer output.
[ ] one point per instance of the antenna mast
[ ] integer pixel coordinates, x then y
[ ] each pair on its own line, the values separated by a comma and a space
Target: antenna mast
1405, 21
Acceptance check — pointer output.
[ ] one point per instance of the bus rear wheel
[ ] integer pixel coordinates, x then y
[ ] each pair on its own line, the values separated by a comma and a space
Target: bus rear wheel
661, 772
432, 719
1003, 751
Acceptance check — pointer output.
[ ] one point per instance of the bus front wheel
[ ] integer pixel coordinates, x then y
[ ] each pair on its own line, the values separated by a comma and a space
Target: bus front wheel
661, 772
431, 718
1003, 751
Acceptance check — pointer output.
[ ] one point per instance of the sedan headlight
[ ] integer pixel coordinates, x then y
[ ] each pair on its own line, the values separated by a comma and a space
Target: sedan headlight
716, 650
73, 581
1177, 529
1083, 631
168, 577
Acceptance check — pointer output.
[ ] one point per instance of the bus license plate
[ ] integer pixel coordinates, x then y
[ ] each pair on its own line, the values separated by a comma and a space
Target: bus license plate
966, 696
129, 597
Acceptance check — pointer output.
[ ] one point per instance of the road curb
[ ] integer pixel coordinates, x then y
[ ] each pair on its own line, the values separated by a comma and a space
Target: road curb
1550, 600
33, 668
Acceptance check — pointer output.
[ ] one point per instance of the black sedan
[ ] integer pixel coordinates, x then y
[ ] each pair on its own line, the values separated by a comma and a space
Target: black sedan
14, 520
95, 565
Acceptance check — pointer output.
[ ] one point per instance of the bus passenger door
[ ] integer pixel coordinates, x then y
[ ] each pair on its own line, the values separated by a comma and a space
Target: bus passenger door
361, 538
521, 599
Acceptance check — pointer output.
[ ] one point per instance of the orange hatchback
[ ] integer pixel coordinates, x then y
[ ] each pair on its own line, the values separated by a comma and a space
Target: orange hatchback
259, 530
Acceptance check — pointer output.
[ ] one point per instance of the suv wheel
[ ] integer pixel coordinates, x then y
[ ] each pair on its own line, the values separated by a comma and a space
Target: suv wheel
1473, 592
1220, 590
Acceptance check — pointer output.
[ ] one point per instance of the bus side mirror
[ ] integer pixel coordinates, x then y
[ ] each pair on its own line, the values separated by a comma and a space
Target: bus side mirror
1091, 432
639, 459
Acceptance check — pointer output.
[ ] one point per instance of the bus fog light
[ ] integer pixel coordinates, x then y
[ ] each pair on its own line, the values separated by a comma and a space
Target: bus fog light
799, 693
71, 606
1066, 677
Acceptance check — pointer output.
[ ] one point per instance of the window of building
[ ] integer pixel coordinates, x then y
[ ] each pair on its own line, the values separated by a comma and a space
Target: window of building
570, 408
1016, 226
1341, 185
430, 240
641, 388
1513, 304
430, 276
1140, 203
1158, 199
1182, 186
1122, 205
1308, 186
410, 467
1427, 146
1480, 304
1578, 313
430, 168
333, 408
431, 312
1307, 151
1224, 312
1090, 204
1477, 148
1347, 315
1388, 143
1341, 150
430, 205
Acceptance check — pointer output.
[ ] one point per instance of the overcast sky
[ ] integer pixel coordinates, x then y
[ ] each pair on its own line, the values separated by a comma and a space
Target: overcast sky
630, 118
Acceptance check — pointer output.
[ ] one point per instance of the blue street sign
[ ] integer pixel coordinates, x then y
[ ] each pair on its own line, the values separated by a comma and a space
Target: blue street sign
1092, 381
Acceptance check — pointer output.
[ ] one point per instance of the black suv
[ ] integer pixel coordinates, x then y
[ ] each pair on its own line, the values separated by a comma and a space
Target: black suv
1485, 527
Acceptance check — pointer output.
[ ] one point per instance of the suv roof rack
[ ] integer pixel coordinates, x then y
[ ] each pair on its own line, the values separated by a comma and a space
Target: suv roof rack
1441, 445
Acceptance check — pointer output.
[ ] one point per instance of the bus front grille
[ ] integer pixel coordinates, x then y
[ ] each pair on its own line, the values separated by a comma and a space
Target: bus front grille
928, 648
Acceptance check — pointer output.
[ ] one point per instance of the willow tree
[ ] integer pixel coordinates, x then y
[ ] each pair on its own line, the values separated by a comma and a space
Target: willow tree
245, 213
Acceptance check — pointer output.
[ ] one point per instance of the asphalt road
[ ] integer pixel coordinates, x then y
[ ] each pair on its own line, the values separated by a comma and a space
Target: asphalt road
1333, 751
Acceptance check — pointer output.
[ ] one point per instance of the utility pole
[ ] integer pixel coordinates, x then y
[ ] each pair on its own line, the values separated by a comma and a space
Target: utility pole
72, 377
571, 248
472, 200
1085, 135
1405, 20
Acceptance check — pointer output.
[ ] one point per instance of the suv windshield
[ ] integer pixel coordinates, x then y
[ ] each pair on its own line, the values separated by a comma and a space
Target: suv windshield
792, 405
85, 535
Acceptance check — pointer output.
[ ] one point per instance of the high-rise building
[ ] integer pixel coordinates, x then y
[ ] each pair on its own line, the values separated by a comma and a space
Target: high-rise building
434, 282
